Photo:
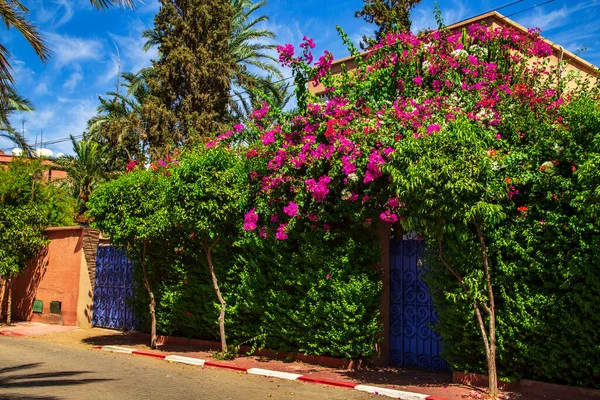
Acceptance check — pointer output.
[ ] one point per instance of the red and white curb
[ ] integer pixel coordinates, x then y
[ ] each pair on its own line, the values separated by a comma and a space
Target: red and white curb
11, 334
397, 394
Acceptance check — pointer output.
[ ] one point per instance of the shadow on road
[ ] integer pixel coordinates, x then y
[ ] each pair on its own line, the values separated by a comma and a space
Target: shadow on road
10, 378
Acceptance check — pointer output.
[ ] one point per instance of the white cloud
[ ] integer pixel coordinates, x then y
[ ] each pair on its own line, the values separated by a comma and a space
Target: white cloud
41, 89
22, 74
58, 120
71, 83
423, 18
68, 12
69, 49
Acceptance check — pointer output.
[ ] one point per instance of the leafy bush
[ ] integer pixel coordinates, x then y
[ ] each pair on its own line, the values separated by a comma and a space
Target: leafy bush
547, 281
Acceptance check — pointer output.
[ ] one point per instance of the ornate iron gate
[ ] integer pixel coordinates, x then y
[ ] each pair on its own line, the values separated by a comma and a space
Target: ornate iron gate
412, 341
113, 286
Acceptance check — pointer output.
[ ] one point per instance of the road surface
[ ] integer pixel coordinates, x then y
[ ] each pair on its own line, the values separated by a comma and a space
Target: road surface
31, 369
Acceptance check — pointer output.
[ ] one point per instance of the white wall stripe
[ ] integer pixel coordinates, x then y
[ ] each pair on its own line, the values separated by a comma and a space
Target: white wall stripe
117, 349
185, 360
276, 374
397, 394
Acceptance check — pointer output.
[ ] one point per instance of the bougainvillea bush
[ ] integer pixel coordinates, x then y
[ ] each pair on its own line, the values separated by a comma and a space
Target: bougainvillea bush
447, 134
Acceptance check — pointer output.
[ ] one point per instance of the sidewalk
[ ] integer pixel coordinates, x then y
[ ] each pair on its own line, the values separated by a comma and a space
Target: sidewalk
19, 329
438, 385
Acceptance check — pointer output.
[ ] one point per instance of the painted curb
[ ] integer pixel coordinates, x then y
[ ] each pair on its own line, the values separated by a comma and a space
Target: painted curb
274, 374
11, 334
397, 394
185, 360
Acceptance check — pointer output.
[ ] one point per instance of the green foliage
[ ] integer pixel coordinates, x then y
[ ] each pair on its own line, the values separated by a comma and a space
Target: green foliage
131, 209
544, 257
209, 193
28, 205
86, 169
388, 15
190, 88
279, 294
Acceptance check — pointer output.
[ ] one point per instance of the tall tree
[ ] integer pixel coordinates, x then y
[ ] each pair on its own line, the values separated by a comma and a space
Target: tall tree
132, 211
86, 169
9, 104
14, 14
28, 204
190, 92
119, 123
388, 15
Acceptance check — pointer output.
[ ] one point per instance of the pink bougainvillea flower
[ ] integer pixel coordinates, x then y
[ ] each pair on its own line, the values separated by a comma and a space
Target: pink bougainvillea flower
263, 232
328, 276
238, 128
393, 202
291, 209
131, 166
318, 189
250, 220
251, 153
327, 227
281, 234
418, 80
433, 128
388, 216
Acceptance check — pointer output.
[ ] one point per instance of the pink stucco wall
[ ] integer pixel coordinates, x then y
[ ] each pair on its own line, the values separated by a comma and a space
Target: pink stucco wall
53, 276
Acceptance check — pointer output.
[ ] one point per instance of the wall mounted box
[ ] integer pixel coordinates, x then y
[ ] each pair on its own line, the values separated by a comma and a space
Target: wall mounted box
55, 307
38, 306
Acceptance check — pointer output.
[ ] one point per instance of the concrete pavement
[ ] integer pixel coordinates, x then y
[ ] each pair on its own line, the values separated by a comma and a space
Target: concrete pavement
32, 369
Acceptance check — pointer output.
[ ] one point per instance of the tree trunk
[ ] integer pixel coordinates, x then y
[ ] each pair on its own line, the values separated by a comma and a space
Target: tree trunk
219, 296
2, 291
152, 305
489, 342
491, 351
9, 302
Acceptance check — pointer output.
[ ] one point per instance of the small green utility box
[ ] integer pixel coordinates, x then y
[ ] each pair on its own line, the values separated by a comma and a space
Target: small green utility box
55, 307
38, 306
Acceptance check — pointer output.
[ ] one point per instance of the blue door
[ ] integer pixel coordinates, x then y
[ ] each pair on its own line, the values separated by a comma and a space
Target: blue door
412, 341
113, 287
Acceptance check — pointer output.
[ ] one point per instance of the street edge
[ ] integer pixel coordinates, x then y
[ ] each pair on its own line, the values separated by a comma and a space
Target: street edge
397, 394
11, 334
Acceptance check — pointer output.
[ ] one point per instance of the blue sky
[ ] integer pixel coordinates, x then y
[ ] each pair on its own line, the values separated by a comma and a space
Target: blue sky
83, 65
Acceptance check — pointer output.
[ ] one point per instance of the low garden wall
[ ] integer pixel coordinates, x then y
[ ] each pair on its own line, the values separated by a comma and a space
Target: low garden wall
58, 274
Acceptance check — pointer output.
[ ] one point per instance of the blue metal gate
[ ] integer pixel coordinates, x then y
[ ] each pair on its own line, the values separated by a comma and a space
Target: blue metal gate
412, 341
113, 286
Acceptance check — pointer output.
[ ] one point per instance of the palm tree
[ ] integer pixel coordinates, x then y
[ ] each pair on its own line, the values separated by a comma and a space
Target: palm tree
14, 15
276, 93
11, 103
85, 169
119, 123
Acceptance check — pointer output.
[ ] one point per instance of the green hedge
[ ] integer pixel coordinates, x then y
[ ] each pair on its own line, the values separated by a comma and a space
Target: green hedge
545, 265
316, 293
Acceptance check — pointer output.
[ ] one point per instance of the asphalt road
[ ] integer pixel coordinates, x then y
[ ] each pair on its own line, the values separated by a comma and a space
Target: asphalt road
31, 369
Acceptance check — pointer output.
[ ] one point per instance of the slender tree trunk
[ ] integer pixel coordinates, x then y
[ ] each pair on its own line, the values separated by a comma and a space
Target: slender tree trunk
9, 302
152, 305
2, 291
489, 342
491, 351
218, 292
